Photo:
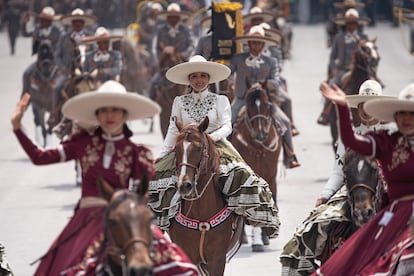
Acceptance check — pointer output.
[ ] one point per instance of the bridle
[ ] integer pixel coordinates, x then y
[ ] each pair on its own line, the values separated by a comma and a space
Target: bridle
119, 250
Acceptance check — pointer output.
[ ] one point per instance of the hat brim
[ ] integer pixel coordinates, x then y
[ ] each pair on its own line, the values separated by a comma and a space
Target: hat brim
355, 100
180, 72
357, 5
183, 15
274, 34
88, 19
267, 17
82, 108
343, 21
246, 38
386, 109
93, 39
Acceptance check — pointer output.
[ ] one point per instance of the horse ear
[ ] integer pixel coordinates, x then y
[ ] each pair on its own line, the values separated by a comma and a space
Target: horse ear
204, 124
105, 189
143, 186
178, 123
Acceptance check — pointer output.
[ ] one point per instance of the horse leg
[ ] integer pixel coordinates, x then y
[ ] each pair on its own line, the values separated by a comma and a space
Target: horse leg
334, 128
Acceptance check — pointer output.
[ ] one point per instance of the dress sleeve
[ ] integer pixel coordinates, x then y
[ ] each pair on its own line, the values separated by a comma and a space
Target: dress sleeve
336, 179
362, 144
224, 119
42, 156
172, 132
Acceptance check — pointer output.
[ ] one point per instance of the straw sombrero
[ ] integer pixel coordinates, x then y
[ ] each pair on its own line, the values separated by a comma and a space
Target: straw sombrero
179, 73
256, 33
348, 4
385, 109
272, 33
257, 12
351, 16
101, 34
48, 13
173, 9
369, 90
78, 14
82, 107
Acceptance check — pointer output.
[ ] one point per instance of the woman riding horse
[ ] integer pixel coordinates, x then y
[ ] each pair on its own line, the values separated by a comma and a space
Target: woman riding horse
246, 193
106, 152
310, 243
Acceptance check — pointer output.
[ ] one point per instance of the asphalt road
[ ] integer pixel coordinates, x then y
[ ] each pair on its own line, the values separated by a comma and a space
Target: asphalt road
36, 201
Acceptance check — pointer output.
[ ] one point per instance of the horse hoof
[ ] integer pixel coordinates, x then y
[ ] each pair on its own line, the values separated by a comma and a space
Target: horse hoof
295, 131
323, 120
257, 247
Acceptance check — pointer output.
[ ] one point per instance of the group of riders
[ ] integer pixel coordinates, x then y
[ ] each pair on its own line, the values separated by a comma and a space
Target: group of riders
74, 44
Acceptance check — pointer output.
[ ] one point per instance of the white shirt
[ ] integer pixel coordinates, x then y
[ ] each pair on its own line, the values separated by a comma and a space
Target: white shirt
192, 109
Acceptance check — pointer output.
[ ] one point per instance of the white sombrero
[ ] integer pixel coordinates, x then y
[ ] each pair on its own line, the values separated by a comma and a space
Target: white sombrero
48, 13
256, 33
78, 14
385, 109
369, 90
180, 72
173, 9
257, 12
102, 34
351, 16
272, 33
82, 108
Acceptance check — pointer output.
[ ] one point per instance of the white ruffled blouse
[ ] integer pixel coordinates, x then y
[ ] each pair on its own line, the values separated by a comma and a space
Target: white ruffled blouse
192, 109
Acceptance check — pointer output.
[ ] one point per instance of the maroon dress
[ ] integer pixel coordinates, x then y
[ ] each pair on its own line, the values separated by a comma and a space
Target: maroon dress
384, 244
77, 246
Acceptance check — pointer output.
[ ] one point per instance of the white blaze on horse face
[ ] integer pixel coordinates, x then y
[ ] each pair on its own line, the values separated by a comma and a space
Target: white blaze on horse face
186, 144
371, 46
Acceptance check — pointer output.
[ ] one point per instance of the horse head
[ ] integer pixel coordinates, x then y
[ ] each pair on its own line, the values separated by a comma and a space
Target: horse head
258, 112
169, 57
80, 83
195, 154
128, 228
366, 56
45, 59
362, 180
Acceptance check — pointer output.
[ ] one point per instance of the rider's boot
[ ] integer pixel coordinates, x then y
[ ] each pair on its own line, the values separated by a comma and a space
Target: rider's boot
257, 242
323, 118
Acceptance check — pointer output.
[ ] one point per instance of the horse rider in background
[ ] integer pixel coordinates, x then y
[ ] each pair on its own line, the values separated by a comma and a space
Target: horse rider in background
253, 67
44, 29
103, 63
340, 58
174, 35
68, 42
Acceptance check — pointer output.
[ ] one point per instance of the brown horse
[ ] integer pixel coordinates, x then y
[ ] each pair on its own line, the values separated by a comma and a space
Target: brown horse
365, 60
162, 90
365, 189
256, 138
128, 231
205, 234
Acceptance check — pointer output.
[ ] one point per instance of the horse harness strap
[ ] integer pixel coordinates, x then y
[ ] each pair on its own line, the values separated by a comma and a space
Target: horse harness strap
203, 227
362, 186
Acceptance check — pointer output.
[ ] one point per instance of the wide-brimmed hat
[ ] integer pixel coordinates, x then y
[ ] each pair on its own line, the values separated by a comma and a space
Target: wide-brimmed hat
48, 13
351, 16
271, 32
257, 12
180, 72
256, 33
348, 4
385, 109
82, 107
78, 14
173, 9
101, 34
369, 90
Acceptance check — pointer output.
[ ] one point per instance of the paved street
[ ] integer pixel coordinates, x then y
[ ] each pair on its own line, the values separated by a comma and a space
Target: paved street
36, 201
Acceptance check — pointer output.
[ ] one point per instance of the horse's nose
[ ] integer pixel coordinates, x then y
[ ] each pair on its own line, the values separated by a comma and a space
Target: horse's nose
141, 271
185, 188
369, 213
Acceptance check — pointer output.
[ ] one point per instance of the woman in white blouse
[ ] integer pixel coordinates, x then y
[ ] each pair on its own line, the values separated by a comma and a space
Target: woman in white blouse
246, 193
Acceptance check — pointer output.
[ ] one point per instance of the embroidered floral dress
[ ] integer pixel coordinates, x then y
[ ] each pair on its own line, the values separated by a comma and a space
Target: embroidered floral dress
245, 192
122, 163
383, 246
